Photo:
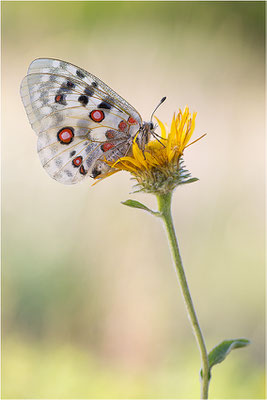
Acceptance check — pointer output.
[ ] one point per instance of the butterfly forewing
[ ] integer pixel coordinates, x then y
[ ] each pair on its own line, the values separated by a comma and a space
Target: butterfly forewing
80, 121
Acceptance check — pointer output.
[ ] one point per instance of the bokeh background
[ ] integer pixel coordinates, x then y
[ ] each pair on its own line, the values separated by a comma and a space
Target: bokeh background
91, 307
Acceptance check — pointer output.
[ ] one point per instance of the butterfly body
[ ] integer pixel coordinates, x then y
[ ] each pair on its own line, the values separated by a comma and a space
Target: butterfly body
79, 120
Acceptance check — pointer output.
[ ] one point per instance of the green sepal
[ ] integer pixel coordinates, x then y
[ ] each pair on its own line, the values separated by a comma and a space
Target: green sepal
137, 204
191, 180
219, 352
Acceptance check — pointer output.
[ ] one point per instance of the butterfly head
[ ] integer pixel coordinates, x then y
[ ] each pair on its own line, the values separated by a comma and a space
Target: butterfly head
145, 132
148, 129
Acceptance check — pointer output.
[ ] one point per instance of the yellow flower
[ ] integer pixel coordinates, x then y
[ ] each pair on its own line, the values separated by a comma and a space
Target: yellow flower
159, 168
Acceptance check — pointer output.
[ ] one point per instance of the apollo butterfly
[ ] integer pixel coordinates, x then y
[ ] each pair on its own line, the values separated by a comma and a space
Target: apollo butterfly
79, 120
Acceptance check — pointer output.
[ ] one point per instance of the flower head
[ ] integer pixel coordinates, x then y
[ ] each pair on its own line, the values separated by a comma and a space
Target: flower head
159, 168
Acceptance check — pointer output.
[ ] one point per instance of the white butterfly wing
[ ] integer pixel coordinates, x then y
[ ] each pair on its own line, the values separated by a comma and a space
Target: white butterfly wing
79, 119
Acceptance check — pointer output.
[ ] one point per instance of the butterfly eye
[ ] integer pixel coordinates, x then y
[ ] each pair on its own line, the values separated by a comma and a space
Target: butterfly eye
151, 126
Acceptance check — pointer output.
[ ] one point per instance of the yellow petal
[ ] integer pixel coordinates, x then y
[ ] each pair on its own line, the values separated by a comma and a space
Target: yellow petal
171, 154
126, 167
128, 159
155, 145
138, 154
172, 136
162, 127
151, 159
99, 178
191, 130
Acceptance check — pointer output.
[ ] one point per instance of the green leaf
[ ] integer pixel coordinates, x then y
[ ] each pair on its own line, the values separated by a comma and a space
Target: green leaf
137, 204
219, 352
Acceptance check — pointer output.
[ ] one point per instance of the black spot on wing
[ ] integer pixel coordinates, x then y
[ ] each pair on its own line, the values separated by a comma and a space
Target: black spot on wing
70, 84
105, 105
60, 99
80, 74
82, 170
67, 85
83, 100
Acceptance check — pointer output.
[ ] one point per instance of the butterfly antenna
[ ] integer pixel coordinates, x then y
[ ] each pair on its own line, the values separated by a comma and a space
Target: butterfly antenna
161, 101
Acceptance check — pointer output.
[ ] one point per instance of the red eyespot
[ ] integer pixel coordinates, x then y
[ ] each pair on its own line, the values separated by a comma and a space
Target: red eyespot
77, 161
132, 121
110, 134
106, 146
65, 135
122, 126
97, 115
58, 98
82, 170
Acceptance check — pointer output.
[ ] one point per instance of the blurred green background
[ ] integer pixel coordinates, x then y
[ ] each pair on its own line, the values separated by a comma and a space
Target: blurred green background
90, 303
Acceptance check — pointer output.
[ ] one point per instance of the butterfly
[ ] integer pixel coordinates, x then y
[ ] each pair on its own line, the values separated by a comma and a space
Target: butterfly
80, 121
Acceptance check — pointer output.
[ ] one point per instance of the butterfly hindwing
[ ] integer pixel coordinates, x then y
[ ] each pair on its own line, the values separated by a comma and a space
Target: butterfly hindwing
78, 158
79, 120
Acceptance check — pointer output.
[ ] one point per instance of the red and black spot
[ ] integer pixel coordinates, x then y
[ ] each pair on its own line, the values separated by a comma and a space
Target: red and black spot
82, 170
132, 121
77, 161
65, 135
97, 115
106, 146
60, 99
122, 126
67, 85
70, 84
110, 134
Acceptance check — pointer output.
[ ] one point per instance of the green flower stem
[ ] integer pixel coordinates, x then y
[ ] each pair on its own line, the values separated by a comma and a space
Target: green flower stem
164, 202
